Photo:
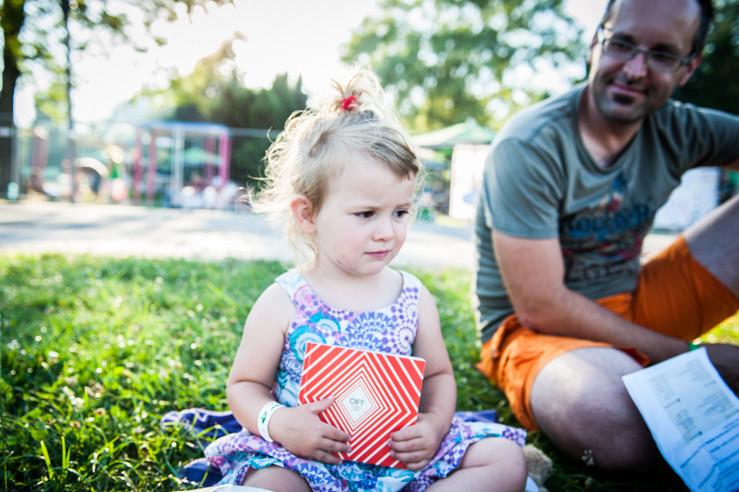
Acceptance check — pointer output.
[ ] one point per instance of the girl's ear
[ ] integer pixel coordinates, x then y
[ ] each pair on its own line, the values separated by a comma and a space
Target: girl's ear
303, 212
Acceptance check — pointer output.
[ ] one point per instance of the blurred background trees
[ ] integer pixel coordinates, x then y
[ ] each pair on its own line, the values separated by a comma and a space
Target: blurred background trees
444, 61
215, 93
714, 83
35, 36
449, 60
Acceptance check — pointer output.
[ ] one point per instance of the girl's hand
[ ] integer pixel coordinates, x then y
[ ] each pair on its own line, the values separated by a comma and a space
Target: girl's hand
417, 444
302, 433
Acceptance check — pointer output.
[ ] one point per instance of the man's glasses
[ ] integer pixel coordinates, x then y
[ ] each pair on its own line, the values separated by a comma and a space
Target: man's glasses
660, 61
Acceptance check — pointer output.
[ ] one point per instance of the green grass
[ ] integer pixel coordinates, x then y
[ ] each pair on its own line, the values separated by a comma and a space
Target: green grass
95, 351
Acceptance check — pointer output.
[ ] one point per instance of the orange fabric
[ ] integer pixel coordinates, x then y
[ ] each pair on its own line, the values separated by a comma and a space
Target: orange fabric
676, 295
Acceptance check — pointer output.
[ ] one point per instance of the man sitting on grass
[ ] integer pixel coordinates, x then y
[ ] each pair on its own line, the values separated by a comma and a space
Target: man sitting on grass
570, 190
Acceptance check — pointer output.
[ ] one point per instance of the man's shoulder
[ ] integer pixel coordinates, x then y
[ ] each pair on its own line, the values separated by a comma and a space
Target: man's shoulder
709, 135
675, 111
556, 111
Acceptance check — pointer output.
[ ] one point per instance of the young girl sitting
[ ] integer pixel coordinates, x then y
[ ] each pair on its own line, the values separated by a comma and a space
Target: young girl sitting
342, 180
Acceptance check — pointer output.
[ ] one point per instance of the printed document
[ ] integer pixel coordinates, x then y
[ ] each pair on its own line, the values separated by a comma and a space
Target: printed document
693, 417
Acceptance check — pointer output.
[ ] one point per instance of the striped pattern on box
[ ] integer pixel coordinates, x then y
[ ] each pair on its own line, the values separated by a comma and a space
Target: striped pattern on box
375, 394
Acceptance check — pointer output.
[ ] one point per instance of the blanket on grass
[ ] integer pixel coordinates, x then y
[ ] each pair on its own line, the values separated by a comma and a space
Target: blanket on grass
206, 426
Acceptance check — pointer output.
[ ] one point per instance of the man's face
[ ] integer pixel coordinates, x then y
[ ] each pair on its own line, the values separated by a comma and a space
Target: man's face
626, 91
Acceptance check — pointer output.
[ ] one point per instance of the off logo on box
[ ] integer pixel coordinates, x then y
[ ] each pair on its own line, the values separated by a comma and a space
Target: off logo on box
357, 403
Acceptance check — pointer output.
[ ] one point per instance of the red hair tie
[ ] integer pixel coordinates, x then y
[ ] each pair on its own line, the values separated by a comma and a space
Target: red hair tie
349, 103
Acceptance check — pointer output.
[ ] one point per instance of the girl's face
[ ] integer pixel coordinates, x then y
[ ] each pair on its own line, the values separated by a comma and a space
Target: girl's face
364, 219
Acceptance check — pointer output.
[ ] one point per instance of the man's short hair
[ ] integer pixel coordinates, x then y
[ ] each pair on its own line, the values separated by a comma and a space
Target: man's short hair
699, 40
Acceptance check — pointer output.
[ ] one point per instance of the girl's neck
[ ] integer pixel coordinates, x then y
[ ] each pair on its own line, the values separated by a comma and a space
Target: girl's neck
353, 292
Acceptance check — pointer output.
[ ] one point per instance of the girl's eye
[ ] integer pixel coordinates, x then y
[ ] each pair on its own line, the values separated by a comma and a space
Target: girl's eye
365, 215
401, 213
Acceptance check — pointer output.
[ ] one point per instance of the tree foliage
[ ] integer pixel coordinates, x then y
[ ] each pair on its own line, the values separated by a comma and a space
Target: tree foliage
714, 83
448, 60
34, 33
215, 92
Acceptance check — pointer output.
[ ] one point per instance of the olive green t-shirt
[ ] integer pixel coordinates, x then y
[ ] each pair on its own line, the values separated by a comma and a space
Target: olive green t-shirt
540, 182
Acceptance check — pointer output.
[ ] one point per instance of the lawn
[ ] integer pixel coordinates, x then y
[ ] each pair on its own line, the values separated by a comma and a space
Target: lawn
96, 350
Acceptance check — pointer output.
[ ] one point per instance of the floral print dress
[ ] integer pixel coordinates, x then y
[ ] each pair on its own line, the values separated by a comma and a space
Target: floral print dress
391, 329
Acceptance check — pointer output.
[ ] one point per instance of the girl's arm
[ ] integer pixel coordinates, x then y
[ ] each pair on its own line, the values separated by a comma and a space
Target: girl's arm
416, 445
252, 376
258, 356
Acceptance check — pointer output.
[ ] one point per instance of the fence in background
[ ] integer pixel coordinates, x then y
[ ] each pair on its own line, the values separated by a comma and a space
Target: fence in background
39, 168
105, 168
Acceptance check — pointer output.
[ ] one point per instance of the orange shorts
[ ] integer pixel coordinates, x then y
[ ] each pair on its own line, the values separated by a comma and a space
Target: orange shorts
675, 295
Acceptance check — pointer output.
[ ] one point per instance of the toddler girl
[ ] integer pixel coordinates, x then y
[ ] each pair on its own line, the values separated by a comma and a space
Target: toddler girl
341, 178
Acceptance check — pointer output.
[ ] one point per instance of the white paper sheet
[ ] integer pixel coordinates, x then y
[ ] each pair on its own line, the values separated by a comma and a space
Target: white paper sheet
693, 417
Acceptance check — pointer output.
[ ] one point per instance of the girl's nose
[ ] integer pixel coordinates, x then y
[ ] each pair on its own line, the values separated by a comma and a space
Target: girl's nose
384, 230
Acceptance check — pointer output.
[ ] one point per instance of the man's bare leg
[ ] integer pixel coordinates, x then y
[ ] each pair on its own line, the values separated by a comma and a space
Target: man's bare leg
713, 243
580, 402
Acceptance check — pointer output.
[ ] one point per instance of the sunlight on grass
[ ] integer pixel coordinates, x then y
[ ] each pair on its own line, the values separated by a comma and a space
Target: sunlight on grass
95, 351
726, 332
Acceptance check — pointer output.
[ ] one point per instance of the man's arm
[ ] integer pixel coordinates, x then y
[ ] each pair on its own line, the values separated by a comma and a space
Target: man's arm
533, 272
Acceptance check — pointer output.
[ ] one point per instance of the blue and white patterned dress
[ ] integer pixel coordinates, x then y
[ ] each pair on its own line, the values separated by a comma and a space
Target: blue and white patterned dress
391, 329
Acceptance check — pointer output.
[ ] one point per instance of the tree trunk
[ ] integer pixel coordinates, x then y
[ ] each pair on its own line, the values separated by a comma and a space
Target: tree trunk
13, 17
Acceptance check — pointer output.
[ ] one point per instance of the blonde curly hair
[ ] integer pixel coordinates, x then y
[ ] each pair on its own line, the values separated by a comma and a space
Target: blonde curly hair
316, 147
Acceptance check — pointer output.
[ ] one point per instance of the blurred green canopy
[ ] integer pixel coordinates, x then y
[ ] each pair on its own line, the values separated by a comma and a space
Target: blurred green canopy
469, 132
196, 156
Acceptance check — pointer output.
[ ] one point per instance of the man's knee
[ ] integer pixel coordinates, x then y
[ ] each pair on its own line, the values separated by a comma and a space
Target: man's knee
582, 382
580, 403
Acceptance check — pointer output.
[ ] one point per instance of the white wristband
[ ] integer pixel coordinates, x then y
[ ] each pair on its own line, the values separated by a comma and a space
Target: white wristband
263, 420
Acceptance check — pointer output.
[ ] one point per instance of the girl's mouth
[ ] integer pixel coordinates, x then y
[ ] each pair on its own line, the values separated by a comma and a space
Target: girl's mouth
379, 254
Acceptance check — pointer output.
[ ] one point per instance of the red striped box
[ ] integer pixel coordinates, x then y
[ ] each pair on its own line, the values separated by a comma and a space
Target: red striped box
375, 394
